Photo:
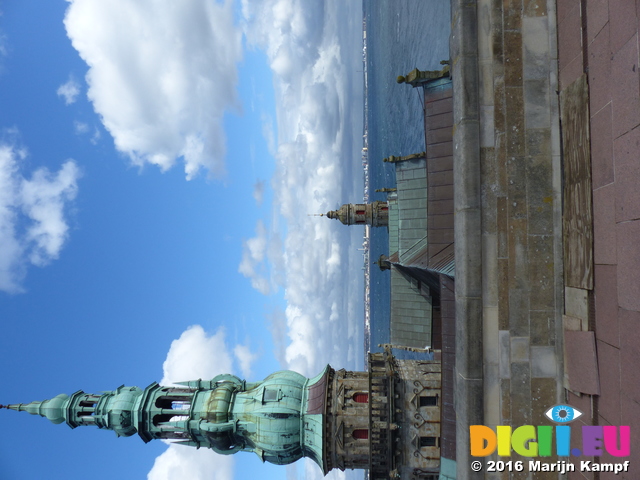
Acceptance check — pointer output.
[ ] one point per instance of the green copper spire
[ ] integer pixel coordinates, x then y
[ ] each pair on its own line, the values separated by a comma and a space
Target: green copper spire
226, 414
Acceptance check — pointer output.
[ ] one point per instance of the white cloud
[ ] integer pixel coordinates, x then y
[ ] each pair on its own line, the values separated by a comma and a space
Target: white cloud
95, 138
161, 75
314, 49
258, 192
245, 358
180, 462
80, 127
268, 133
69, 90
33, 227
263, 260
195, 355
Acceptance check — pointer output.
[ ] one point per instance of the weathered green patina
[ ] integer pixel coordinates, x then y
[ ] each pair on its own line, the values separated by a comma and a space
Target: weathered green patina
226, 414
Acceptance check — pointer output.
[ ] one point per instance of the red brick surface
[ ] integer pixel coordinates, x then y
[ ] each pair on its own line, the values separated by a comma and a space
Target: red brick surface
601, 148
606, 295
613, 72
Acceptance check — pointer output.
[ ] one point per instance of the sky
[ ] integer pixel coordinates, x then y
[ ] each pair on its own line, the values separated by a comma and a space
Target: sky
158, 164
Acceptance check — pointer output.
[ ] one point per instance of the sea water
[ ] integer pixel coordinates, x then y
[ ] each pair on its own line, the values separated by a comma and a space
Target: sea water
400, 35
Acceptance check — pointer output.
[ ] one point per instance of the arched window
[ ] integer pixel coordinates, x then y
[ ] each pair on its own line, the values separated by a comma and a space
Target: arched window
361, 397
361, 434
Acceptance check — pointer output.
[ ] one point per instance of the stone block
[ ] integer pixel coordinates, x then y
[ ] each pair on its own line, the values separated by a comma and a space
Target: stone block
491, 395
466, 166
539, 142
536, 103
542, 327
468, 254
544, 362
512, 15
490, 271
535, 42
484, 20
575, 303
469, 406
572, 324
519, 348
469, 353
502, 226
541, 270
497, 33
505, 401
535, 8
517, 193
501, 160
515, 121
519, 311
503, 293
513, 64
499, 119
540, 196
544, 394
486, 95
486, 126
504, 339
465, 80
520, 394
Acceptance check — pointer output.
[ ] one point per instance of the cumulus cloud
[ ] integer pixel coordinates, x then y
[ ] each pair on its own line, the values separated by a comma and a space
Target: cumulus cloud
313, 48
262, 260
258, 192
80, 128
161, 75
245, 358
33, 226
69, 90
179, 462
194, 355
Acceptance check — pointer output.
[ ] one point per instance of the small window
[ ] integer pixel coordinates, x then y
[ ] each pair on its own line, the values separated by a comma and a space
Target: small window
429, 401
361, 397
270, 395
361, 434
427, 442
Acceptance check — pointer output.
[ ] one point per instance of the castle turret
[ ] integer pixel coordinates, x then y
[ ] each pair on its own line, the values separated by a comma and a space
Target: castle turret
225, 414
385, 420
375, 214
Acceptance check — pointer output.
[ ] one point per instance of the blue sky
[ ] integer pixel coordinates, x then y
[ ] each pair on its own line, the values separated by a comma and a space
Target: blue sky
157, 165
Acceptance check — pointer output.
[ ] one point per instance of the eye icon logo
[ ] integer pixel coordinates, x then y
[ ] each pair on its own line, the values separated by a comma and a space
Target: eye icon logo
563, 413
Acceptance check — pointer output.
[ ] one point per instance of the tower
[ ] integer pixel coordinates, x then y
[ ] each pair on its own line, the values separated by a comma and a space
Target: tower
375, 214
339, 419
